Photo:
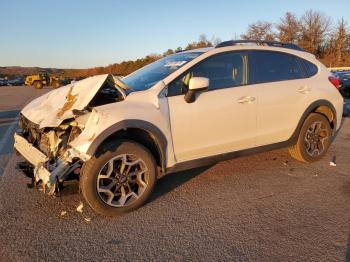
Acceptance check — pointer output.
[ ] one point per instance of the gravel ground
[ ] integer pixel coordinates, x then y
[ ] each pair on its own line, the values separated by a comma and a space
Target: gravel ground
265, 207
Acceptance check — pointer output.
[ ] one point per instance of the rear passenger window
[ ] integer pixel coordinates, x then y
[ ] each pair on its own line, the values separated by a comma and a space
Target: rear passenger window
273, 66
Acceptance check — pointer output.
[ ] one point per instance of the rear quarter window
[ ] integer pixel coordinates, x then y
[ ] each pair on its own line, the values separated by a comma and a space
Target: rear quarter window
309, 68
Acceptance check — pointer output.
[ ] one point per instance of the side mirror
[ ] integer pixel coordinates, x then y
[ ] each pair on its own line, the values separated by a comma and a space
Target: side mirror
197, 84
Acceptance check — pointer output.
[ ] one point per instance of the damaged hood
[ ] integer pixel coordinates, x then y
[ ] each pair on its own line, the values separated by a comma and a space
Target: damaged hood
52, 108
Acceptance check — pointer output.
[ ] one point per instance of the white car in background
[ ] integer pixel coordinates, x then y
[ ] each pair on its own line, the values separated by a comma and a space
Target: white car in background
185, 110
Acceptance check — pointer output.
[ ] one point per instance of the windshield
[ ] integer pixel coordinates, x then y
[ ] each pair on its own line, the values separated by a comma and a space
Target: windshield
149, 75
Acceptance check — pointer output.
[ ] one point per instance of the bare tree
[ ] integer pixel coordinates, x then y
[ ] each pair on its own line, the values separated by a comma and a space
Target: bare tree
347, 45
260, 30
215, 41
203, 39
168, 52
341, 41
178, 49
202, 42
314, 28
289, 28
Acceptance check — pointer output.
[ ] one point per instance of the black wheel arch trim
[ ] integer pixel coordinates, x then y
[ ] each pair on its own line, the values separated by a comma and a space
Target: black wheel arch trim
150, 128
314, 105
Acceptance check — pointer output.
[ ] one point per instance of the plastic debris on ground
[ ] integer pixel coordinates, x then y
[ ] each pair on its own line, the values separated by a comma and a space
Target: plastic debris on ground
80, 207
63, 213
332, 163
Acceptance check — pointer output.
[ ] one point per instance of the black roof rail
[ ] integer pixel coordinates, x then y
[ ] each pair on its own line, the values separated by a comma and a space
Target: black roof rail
260, 42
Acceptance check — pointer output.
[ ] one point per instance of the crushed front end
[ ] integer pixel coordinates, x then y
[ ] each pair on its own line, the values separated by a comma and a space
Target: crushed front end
47, 151
51, 123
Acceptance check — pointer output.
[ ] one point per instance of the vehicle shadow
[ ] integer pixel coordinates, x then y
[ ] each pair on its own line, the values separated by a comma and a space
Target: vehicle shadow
171, 181
164, 185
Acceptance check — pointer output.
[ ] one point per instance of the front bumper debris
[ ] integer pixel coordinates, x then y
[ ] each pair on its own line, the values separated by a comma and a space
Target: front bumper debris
28, 151
48, 175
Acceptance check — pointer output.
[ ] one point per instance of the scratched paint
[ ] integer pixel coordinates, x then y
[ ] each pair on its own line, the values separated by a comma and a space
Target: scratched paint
70, 100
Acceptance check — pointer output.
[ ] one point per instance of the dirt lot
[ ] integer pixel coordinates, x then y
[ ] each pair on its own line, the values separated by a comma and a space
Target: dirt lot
265, 207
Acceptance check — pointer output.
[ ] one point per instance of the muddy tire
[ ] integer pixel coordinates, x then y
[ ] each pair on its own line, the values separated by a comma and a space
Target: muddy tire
120, 179
314, 139
55, 84
38, 85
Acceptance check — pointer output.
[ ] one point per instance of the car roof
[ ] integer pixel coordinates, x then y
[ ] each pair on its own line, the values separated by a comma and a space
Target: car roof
251, 43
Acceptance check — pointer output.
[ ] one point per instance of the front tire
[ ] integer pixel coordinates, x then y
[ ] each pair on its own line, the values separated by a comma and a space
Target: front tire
38, 85
56, 84
119, 180
314, 139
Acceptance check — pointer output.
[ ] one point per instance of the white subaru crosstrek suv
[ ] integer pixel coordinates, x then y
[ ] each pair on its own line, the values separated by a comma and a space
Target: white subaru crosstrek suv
185, 110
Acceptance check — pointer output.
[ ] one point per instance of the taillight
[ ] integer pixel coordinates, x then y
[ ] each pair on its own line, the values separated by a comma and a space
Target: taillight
335, 81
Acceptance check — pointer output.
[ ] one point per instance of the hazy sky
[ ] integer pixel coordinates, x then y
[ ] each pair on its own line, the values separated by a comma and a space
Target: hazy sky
88, 33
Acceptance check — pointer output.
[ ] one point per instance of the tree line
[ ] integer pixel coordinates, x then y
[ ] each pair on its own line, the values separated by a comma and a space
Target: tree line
313, 31
126, 67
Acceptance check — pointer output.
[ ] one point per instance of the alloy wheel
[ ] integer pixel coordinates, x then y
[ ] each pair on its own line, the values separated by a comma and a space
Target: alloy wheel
315, 138
122, 180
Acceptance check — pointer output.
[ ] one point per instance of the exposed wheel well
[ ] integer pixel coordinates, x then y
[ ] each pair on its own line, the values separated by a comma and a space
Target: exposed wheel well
327, 112
138, 135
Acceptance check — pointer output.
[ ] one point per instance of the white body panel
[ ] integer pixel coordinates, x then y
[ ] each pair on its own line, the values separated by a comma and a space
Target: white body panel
280, 107
215, 123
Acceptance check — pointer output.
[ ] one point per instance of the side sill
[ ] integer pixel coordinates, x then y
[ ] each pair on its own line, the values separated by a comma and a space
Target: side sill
222, 157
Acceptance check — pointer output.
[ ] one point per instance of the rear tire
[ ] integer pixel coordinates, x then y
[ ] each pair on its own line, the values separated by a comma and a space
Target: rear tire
38, 85
314, 139
56, 84
120, 179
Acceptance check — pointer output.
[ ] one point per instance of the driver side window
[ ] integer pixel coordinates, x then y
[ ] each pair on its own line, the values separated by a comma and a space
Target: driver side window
223, 70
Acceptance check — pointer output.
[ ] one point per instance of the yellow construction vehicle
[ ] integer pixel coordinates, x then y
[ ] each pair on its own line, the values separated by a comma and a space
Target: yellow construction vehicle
44, 79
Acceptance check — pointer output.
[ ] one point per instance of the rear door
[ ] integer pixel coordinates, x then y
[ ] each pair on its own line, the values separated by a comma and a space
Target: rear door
283, 94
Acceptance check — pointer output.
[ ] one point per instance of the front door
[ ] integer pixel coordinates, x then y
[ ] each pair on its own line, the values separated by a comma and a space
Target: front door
220, 120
